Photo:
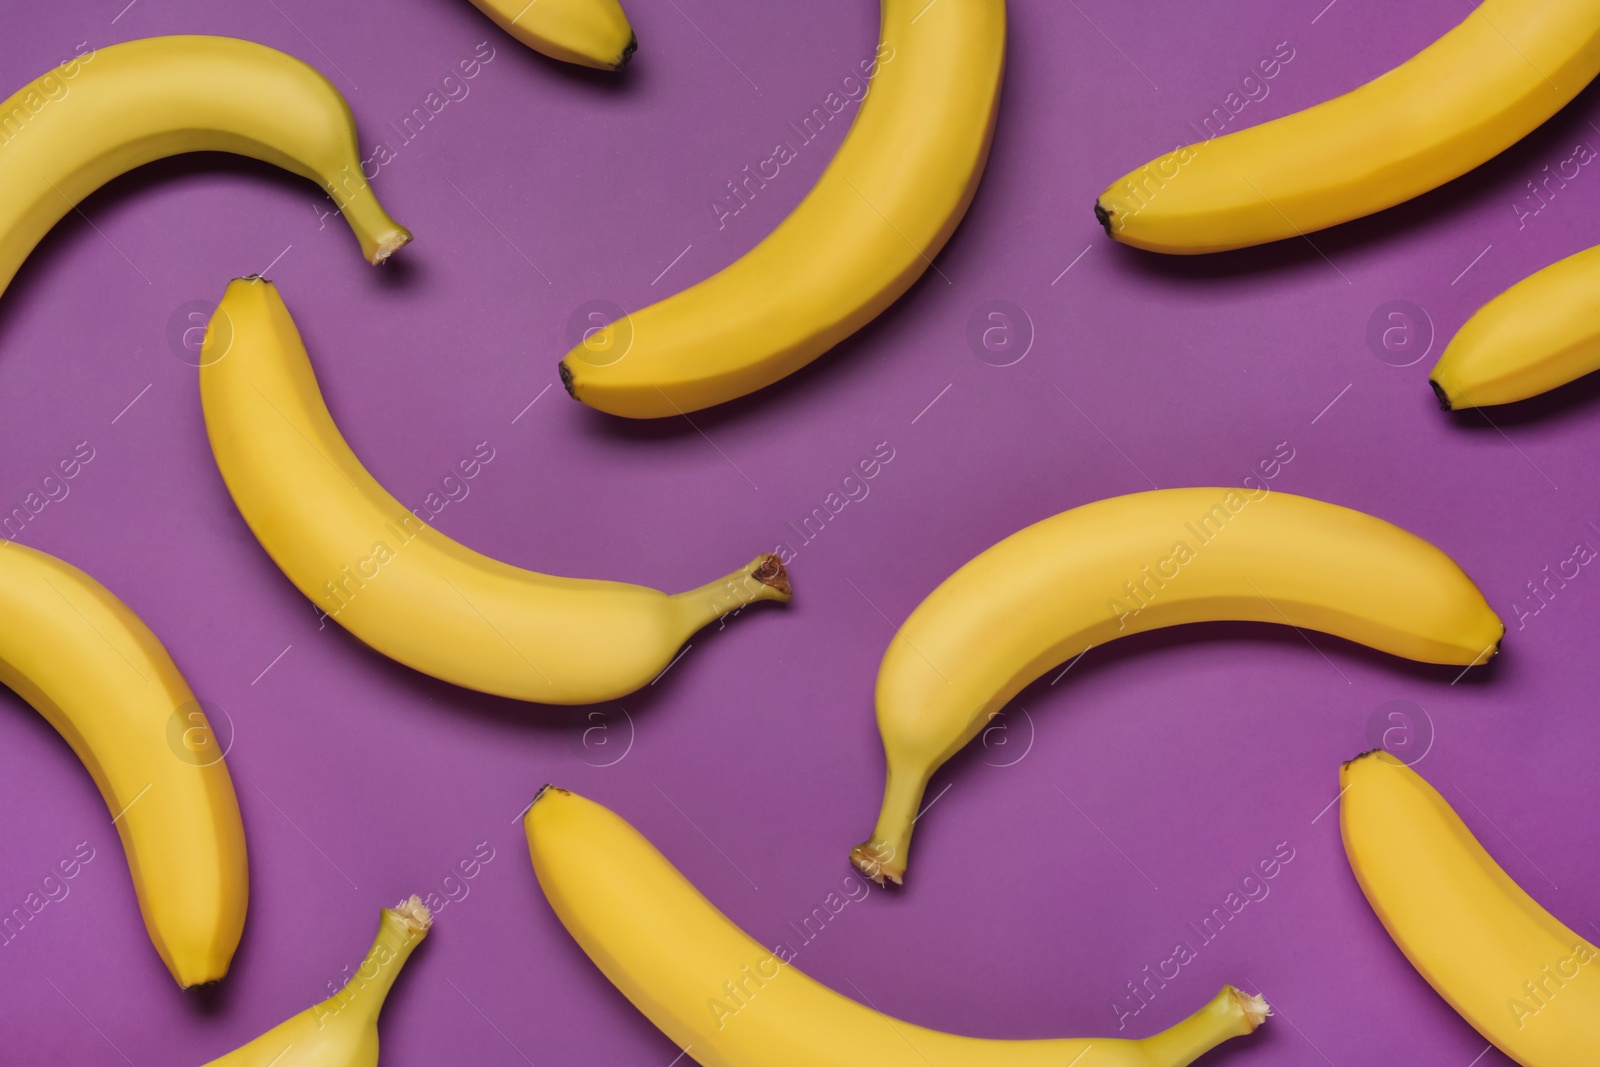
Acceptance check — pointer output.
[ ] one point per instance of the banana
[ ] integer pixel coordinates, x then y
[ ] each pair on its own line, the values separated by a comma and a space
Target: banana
1134, 563
398, 584
107, 111
729, 1002
1473, 93
342, 1031
889, 200
1527, 983
98, 675
590, 33
1540, 333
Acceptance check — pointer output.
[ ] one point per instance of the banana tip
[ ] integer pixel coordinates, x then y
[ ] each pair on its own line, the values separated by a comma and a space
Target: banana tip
1103, 216
414, 914
543, 789
628, 51
769, 571
874, 861
1255, 1008
1379, 755
389, 244
199, 983
1443, 397
566, 379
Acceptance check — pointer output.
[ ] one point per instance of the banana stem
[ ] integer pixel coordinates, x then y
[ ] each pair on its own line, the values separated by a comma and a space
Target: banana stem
884, 856
763, 579
400, 931
1231, 1013
380, 235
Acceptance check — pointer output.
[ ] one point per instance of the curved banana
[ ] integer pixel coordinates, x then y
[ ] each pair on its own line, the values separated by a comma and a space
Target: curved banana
590, 33
97, 674
381, 572
107, 111
1473, 93
891, 198
1141, 562
342, 1031
1524, 981
730, 1002
1540, 333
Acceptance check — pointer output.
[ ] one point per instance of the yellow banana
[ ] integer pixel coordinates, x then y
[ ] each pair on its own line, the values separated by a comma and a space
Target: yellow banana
1476, 91
729, 1002
1540, 333
1526, 982
894, 193
590, 33
342, 1031
106, 111
97, 674
1135, 563
398, 584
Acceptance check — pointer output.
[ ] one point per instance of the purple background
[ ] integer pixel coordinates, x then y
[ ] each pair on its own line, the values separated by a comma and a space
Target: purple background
755, 761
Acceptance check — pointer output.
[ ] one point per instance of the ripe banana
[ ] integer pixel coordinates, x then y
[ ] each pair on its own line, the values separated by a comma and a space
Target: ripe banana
590, 33
104, 112
1526, 982
1540, 333
1133, 563
894, 193
729, 1002
398, 584
342, 1031
1476, 91
97, 674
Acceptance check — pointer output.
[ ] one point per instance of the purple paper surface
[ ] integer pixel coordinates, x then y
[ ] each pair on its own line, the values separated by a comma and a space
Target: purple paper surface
1061, 857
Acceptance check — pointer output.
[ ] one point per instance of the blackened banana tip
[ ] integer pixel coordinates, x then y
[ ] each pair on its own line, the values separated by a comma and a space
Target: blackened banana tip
1438, 391
1104, 216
